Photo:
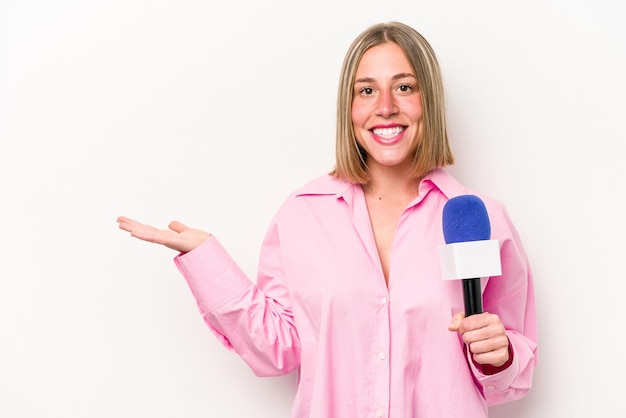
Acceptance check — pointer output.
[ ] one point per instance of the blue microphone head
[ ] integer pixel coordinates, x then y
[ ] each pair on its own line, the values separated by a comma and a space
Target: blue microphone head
465, 219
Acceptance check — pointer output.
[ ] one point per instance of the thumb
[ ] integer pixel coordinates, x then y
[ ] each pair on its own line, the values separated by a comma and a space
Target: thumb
456, 321
177, 226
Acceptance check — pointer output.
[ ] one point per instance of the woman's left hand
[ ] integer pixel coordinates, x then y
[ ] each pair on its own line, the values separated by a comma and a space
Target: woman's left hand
485, 336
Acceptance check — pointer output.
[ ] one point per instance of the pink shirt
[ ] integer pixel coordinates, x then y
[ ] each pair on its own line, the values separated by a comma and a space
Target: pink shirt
364, 349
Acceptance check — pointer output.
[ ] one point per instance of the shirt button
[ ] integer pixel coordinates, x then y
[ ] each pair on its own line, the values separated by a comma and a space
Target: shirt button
491, 387
384, 300
381, 355
380, 413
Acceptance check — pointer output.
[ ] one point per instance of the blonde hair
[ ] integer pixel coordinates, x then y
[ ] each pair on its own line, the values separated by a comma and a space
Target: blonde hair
433, 150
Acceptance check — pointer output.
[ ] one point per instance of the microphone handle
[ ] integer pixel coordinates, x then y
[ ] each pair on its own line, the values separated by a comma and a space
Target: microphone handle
472, 296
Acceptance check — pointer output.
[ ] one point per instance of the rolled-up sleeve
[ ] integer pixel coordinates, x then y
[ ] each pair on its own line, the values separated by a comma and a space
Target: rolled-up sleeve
511, 297
254, 321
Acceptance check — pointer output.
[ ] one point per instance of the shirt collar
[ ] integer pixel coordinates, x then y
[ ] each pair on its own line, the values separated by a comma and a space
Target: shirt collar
441, 179
328, 185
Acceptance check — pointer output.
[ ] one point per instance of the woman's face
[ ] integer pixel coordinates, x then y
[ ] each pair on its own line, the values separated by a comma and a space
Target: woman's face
386, 106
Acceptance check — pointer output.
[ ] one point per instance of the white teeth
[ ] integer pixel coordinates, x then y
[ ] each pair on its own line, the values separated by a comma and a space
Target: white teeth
388, 132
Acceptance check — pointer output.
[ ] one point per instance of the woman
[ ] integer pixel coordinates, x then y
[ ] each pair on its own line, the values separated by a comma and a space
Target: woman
349, 288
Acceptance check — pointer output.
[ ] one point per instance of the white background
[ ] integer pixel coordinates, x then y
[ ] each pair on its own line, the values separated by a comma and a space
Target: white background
211, 113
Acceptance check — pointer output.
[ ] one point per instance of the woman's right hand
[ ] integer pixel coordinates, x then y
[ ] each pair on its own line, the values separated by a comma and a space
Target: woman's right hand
178, 237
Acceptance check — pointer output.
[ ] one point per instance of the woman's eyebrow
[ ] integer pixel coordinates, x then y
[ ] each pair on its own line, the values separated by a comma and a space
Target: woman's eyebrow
395, 77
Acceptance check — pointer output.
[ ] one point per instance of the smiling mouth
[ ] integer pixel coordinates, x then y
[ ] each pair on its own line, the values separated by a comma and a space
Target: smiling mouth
388, 133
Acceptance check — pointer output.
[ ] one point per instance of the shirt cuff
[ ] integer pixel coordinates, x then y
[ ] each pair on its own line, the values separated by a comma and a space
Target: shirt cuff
212, 275
496, 378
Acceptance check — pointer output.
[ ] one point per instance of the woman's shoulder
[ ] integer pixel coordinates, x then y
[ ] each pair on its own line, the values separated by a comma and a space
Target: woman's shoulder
451, 187
316, 193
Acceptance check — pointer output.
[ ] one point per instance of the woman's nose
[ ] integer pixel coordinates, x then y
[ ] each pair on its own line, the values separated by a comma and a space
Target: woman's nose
386, 105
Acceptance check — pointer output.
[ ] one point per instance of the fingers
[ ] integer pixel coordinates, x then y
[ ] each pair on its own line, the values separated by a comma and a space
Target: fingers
178, 237
177, 226
142, 231
128, 224
495, 357
456, 321
480, 324
124, 222
485, 336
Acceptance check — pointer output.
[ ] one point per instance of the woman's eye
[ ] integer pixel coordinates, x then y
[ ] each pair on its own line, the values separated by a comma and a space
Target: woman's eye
405, 88
367, 90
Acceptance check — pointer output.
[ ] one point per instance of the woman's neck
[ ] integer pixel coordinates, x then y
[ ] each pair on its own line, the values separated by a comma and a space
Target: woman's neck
391, 182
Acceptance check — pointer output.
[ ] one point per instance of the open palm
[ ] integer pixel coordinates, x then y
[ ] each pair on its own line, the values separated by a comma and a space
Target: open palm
178, 237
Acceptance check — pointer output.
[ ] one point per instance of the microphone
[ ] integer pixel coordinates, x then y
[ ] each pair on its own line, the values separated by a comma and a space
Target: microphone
469, 254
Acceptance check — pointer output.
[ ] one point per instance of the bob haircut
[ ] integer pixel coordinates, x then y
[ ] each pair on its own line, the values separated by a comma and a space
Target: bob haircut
433, 149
